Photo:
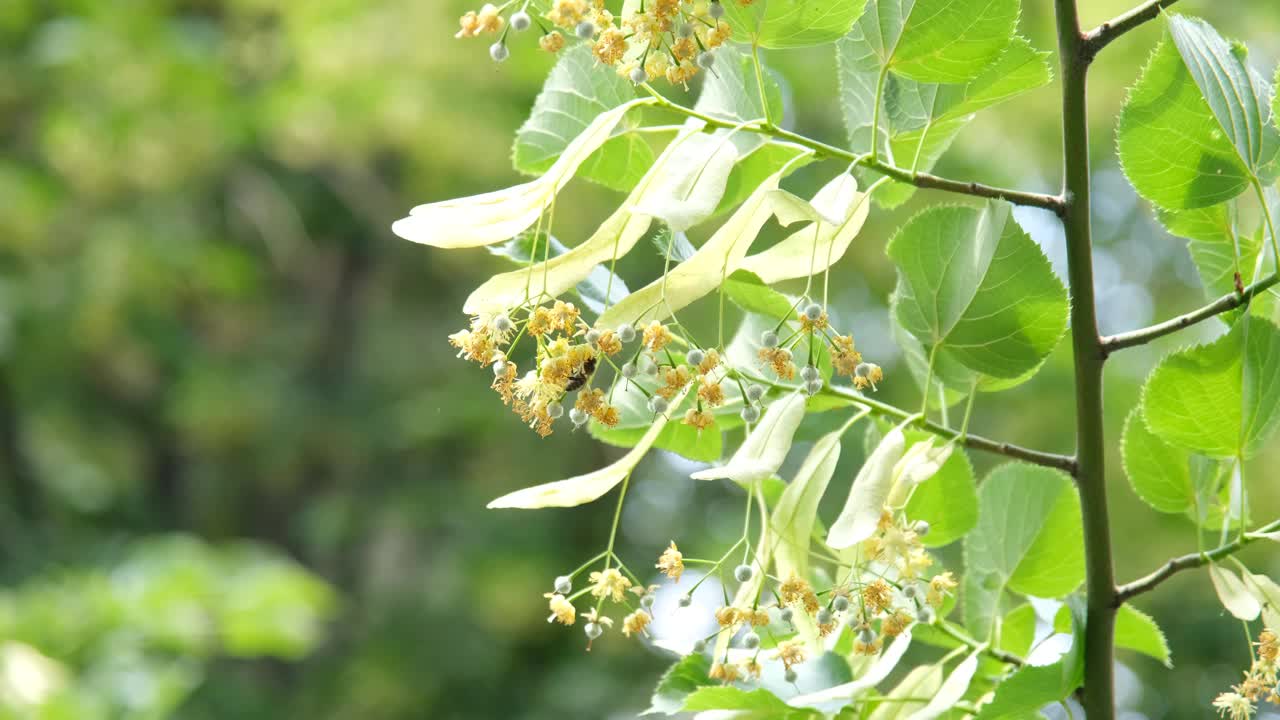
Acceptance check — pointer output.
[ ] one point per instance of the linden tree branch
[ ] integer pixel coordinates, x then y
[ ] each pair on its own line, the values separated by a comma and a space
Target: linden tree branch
1101, 36
823, 150
976, 442
1223, 304
1187, 562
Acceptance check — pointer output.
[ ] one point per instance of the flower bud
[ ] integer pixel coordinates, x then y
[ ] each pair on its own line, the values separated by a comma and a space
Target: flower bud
499, 52
502, 323
750, 414
790, 675
593, 337
706, 60
500, 368
578, 417
813, 311
787, 614
695, 357
755, 392
564, 585
593, 630
627, 333
685, 600
629, 370
808, 373
840, 603
648, 600
585, 30
921, 527
743, 573
554, 411
658, 404
823, 617
813, 387
751, 641
769, 339
866, 635
520, 21
699, 646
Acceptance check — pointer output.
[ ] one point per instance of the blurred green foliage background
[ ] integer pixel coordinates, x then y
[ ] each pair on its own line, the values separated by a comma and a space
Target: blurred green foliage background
242, 474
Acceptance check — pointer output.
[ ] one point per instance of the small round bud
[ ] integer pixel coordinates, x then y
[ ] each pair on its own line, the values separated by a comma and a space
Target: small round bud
790, 675
787, 614
585, 30
863, 369
706, 60
499, 52
686, 30
750, 414
813, 387
685, 600
823, 617
695, 357
647, 601
716, 10
629, 370
755, 392
808, 373
639, 76
578, 417
866, 635
520, 21
593, 630
751, 641
593, 337
564, 585
658, 404
840, 603
502, 323
626, 333
769, 339
743, 573
813, 311
926, 615
699, 646
500, 368
921, 527
555, 410
648, 366
909, 590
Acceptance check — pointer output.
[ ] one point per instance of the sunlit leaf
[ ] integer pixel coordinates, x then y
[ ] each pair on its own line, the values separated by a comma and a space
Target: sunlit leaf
972, 284
585, 488
792, 23
501, 215
767, 445
576, 92
940, 41
1221, 399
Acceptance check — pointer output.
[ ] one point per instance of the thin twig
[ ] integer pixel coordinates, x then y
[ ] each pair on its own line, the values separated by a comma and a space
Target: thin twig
1052, 203
976, 442
1187, 562
959, 636
1101, 36
1223, 304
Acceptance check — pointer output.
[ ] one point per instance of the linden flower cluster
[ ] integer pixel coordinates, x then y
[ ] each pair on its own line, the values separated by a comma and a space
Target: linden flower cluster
1260, 682
671, 39
609, 584
815, 325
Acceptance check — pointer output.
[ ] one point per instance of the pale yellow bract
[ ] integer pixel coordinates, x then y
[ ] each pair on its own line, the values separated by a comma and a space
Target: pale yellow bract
762, 453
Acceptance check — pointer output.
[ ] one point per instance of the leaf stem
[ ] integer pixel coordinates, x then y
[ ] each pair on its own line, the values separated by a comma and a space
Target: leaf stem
1104, 34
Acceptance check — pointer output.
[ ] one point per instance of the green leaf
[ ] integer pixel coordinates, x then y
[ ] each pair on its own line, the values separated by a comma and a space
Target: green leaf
792, 23
756, 165
749, 292
1193, 132
1169, 479
941, 41
1032, 687
918, 685
973, 284
678, 682
919, 120
732, 92
577, 90
1221, 399
948, 501
1135, 630
1018, 630
758, 704
1029, 533
592, 291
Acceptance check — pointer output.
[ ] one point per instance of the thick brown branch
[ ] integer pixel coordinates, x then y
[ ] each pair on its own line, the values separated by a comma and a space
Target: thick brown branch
1187, 562
1223, 304
1101, 36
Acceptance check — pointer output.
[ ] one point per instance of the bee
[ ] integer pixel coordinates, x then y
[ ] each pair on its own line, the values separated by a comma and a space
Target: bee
578, 379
